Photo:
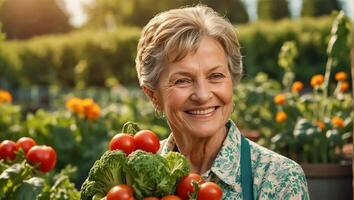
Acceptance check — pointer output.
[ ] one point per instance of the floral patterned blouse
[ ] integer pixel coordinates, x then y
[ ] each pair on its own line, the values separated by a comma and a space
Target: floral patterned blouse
274, 176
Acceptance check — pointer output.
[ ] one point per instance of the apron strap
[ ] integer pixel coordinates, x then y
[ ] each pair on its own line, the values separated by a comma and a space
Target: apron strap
246, 170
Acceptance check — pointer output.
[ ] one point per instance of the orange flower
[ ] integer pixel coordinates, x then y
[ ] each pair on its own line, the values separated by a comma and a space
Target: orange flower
297, 86
344, 86
317, 80
74, 105
341, 76
281, 117
279, 99
86, 104
93, 112
91, 109
320, 124
5, 96
337, 122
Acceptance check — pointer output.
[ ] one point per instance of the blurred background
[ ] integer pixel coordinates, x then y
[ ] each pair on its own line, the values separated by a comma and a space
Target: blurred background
54, 50
93, 42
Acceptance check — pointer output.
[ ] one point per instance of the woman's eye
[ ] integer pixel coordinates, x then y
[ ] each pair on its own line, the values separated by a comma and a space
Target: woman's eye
216, 76
182, 81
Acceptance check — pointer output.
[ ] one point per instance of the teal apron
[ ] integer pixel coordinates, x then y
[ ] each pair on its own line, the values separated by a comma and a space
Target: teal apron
246, 170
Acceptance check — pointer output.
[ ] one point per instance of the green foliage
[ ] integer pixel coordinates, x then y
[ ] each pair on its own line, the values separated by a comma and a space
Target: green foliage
10, 121
234, 10
338, 47
78, 59
262, 40
78, 141
111, 13
316, 124
253, 105
21, 181
287, 55
100, 58
272, 9
23, 19
319, 7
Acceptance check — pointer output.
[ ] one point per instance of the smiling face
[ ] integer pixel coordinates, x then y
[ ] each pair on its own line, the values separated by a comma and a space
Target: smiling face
195, 93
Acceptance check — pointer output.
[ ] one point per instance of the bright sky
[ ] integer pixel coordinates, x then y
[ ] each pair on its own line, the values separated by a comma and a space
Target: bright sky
74, 7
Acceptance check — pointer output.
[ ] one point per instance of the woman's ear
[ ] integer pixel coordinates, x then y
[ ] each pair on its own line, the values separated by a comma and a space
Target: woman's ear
153, 97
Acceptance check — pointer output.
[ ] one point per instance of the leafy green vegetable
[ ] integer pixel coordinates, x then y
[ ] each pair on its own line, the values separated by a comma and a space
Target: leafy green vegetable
178, 165
153, 175
104, 174
144, 172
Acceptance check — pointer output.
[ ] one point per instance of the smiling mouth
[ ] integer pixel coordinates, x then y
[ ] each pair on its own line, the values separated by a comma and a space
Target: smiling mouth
204, 111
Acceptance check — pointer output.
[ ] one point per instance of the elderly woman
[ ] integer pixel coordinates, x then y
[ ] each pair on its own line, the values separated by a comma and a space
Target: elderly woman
188, 63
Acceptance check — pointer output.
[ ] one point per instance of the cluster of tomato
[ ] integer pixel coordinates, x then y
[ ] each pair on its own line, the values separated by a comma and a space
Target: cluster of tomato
148, 141
145, 140
185, 188
43, 156
206, 190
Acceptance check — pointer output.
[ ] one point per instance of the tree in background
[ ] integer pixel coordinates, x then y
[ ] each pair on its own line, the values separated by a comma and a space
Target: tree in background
22, 19
108, 13
272, 9
319, 7
2, 36
234, 10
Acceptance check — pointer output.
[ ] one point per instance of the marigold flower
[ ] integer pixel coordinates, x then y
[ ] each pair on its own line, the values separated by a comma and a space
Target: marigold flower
90, 109
93, 112
279, 99
320, 124
86, 104
281, 117
341, 76
75, 105
297, 86
344, 86
317, 80
5, 96
337, 122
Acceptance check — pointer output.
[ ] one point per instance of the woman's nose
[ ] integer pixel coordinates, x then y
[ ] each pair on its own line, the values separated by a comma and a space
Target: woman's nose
201, 91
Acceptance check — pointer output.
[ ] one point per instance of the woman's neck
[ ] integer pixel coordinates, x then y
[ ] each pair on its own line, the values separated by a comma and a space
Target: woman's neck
201, 152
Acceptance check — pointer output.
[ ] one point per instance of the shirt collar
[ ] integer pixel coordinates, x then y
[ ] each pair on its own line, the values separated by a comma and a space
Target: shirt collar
226, 165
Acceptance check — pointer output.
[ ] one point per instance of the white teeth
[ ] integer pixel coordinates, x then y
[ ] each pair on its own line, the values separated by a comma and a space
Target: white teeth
202, 112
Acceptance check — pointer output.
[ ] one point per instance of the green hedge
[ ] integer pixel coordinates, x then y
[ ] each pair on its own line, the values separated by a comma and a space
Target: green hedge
98, 57
83, 57
262, 41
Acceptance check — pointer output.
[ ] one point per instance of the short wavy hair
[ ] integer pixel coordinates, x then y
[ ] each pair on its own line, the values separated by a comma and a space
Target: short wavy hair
171, 35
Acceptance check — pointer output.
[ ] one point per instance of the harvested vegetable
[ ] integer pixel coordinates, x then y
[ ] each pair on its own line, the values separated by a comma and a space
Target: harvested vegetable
104, 174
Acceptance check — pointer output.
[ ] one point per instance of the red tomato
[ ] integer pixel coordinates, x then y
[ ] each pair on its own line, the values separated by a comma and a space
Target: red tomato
147, 140
151, 198
171, 197
185, 185
209, 191
120, 192
43, 155
25, 143
124, 142
8, 150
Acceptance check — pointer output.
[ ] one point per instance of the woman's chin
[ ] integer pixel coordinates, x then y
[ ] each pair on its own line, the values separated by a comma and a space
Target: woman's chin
204, 130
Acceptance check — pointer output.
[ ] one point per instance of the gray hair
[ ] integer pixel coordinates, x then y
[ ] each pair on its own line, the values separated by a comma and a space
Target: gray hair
171, 35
